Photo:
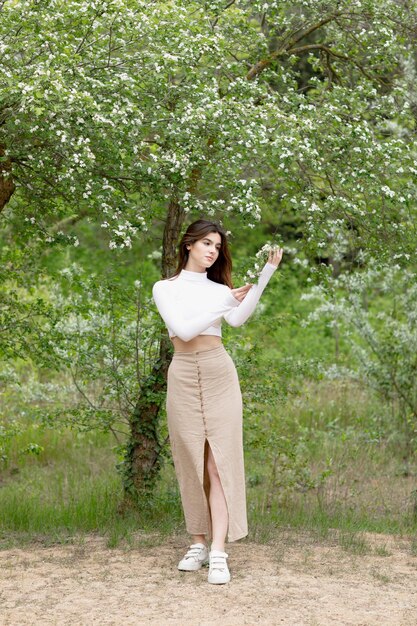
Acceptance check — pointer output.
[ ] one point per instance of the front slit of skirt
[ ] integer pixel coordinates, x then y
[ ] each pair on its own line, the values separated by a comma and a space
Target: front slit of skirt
204, 480
205, 483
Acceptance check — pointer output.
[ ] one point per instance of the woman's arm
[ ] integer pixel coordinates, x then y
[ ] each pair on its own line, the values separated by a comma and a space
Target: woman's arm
190, 328
239, 315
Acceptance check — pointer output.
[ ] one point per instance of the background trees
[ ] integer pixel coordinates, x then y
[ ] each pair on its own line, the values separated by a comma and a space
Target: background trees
121, 120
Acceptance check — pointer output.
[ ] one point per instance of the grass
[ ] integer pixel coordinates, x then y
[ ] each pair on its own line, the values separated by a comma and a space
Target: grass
347, 468
71, 488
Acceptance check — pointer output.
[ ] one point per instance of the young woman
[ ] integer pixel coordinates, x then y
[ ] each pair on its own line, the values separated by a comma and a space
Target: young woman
204, 403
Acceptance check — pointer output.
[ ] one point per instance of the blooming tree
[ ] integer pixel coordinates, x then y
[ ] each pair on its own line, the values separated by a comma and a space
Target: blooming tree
127, 111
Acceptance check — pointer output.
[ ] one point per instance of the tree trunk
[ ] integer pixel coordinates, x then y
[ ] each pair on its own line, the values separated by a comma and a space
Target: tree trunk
7, 185
143, 452
172, 231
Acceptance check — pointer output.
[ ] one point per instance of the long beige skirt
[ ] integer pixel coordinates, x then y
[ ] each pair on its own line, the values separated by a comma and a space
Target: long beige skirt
204, 404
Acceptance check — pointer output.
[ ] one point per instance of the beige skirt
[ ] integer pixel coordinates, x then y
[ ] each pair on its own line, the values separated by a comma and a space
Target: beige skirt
204, 404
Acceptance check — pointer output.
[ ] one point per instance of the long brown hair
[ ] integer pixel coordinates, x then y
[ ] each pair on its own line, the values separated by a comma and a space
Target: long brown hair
221, 270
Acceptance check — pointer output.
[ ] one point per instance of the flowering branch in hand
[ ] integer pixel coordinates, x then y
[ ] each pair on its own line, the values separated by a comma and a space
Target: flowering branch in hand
262, 257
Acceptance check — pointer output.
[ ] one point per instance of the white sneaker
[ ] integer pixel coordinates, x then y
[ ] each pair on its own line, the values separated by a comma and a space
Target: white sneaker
219, 572
196, 557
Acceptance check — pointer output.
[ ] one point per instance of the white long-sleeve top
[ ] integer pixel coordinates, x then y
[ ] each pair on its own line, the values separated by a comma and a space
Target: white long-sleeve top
191, 304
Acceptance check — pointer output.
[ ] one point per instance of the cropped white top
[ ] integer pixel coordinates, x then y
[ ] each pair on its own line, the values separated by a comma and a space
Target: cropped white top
191, 304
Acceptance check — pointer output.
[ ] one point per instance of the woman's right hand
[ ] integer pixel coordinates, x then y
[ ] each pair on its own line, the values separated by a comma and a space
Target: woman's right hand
240, 292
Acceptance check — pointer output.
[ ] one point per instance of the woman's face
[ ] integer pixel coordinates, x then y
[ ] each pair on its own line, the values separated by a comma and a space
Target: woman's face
204, 252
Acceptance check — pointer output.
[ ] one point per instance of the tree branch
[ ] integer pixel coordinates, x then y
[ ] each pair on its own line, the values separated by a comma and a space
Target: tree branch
88, 31
313, 28
283, 50
225, 9
68, 221
318, 46
289, 49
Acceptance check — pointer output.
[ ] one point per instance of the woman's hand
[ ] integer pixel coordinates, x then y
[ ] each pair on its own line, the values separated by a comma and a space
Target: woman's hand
240, 292
275, 256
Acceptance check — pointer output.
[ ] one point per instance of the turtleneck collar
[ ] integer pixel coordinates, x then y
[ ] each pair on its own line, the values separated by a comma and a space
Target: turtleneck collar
195, 276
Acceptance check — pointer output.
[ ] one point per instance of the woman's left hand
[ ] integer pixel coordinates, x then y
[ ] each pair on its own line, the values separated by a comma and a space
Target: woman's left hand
275, 256
240, 292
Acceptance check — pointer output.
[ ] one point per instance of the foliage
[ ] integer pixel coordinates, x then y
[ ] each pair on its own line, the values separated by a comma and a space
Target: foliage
106, 340
133, 116
111, 109
377, 310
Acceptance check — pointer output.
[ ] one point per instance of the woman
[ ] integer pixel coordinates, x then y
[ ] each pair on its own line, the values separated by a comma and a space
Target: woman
204, 403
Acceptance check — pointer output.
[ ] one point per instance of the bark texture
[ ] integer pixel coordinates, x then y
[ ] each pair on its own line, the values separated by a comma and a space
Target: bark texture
7, 185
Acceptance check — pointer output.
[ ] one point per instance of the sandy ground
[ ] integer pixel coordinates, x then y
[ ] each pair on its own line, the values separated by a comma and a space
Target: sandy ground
293, 582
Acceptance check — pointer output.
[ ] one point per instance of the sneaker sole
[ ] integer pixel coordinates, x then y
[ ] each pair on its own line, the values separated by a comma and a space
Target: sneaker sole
219, 582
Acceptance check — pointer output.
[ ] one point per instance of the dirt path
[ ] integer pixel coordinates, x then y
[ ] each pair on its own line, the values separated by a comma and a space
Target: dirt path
294, 582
